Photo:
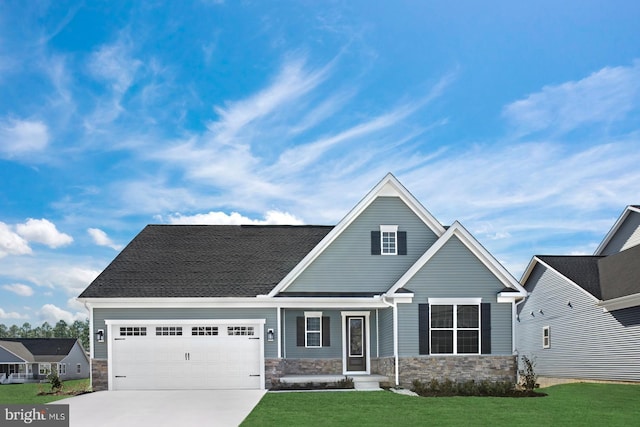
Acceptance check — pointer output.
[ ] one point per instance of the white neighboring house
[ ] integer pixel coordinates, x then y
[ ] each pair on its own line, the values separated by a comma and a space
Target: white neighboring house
581, 320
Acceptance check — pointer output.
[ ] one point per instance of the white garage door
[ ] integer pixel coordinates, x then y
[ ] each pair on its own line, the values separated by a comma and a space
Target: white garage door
186, 356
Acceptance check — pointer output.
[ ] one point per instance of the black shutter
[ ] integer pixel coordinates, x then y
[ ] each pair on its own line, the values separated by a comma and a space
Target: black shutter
326, 331
402, 242
423, 328
375, 243
485, 328
300, 331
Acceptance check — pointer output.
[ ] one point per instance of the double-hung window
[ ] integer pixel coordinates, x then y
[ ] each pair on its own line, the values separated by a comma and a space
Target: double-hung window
389, 239
546, 337
313, 329
455, 328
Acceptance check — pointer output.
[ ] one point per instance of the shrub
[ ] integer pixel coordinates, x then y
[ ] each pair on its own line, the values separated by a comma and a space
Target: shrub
528, 377
435, 388
54, 380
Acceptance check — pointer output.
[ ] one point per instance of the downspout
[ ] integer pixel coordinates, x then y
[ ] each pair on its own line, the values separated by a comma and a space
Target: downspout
514, 326
394, 305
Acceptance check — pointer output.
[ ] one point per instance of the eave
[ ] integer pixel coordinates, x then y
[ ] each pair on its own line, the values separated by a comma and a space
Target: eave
620, 303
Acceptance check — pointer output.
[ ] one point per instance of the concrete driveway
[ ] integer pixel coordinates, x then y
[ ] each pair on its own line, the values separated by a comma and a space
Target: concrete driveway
161, 408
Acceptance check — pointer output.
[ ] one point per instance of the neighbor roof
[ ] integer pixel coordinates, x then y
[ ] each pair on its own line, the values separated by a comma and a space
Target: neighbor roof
205, 261
582, 270
39, 349
621, 273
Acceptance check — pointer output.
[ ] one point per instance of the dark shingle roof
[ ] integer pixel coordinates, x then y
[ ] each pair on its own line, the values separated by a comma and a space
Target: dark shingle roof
46, 346
582, 270
621, 273
205, 261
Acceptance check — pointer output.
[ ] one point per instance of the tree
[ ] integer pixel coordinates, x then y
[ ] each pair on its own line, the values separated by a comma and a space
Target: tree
14, 331
25, 330
61, 330
46, 331
4, 332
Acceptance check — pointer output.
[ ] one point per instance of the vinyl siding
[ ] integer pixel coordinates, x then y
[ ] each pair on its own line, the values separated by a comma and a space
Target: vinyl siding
8, 357
455, 272
386, 332
586, 342
100, 314
628, 235
76, 355
348, 266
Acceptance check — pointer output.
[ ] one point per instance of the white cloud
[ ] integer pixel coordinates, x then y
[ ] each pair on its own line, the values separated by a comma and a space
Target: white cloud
113, 63
20, 138
100, 238
11, 243
43, 231
222, 218
603, 97
19, 289
52, 314
11, 315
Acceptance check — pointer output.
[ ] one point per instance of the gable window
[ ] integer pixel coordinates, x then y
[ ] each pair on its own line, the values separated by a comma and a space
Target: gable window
78, 368
455, 328
546, 337
313, 329
389, 239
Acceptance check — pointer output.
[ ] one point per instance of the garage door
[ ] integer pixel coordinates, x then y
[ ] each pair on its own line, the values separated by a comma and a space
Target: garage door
186, 356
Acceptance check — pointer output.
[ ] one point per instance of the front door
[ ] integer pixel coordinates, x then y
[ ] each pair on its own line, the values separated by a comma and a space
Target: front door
356, 345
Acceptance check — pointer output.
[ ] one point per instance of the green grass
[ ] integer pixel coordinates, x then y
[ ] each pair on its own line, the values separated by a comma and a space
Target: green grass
28, 393
566, 405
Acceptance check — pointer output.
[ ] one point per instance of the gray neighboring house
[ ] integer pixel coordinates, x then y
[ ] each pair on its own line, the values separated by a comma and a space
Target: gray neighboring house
581, 320
31, 359
387, 291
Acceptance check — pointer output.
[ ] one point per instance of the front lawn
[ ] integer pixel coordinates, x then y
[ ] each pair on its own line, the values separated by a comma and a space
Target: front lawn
28, 393
566, 405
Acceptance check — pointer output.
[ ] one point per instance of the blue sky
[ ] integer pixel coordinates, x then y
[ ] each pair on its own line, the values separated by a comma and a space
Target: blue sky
519, 119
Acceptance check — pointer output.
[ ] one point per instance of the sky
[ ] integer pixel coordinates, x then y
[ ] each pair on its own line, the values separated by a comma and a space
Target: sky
521, 120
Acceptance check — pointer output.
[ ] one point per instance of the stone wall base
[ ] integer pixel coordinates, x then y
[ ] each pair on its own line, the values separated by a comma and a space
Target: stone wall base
99, 374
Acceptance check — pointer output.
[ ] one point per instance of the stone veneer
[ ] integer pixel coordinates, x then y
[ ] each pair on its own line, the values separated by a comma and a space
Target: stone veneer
276, 368
99, 374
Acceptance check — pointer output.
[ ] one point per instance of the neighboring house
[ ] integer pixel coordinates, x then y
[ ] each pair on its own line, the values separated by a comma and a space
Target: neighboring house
32, 359
387, 291
582, 317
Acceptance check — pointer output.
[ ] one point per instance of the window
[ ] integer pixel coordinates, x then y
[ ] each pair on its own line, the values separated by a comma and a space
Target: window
313, 329
204, 330
455, 328
78, 368
389, 239
240, 330
45, 368
546, 337
168, 330
133, 331
62, 368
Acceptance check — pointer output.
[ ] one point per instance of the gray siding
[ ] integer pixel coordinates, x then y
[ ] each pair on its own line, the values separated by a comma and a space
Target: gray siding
385, 326
628, 235
76, 356
455, 272
100, 314
348, 266
8, 357
586, 342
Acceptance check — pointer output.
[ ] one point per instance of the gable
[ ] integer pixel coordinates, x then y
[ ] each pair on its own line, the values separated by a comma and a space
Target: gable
347, 264
620, 273
8, 354
454, 272
624, 234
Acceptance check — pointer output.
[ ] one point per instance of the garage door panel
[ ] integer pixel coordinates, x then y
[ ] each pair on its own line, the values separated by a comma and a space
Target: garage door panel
200, 361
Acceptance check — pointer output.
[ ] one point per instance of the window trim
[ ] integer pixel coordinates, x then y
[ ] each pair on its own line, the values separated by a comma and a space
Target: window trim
389, 229
62, 368
78, 368
44, 368
546, 337
312, 315
455, 302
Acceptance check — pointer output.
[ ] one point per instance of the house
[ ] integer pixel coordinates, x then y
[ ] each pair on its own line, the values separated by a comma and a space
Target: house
581, 320
387, 291
32, 359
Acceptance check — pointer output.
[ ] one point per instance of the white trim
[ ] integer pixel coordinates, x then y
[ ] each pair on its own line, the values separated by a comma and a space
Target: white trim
475, 247
392, 229
620, 302
457, 301
454, 303
364, 314
280, 338
615, 228
312, 315
389, 186
267, 303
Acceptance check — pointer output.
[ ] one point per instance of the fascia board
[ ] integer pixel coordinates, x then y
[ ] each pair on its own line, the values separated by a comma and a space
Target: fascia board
474, 246
615, 228
619, 303
388, 186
